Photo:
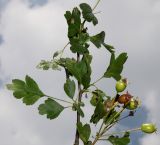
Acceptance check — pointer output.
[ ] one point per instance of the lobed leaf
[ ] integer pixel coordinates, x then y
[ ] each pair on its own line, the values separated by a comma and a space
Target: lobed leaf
73, 21
69, 88
28, 91
57, 53
80, 70
115, 140
84, 132
98, 39
116, 66
109, 47
99, 113
79, 44
88, 13
51, 108
46, 65
87, 77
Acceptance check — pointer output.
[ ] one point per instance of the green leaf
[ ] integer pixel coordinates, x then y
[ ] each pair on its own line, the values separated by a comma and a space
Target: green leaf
79, 44
88, 13
116, 66
51, 108
31, 99
111, 116
17, 85
109, 47
99, 113
80, 111
74, 22
98, 96
19, 94
98, 39
69, 88
87, 77
29, 90
77, 107
81, 70
84, 131
57, 53
32, 86
77, 69
115, 140
46, 65
62, 62
88, 143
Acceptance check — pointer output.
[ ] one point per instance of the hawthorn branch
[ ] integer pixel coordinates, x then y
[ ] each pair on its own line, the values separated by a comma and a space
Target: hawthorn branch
121, 132
96, 5
79, 101
53, 98
64, 49
80, 89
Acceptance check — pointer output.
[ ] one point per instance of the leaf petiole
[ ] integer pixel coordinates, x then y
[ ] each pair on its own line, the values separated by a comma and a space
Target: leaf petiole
92, 84
58, 99
64, 49
96, 5
129, 130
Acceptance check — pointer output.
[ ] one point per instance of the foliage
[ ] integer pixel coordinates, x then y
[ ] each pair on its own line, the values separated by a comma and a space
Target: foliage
51, 108
84, 131
107, 109
115, 140
28, 90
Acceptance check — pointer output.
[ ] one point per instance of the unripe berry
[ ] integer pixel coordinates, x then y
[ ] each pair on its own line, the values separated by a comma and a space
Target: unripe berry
133, 104
121, 85
148, 128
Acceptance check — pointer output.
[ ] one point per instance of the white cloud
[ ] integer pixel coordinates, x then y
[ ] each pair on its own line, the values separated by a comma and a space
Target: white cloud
13, 125
30, 35
156, 9
150, 139
152, 105
34, 34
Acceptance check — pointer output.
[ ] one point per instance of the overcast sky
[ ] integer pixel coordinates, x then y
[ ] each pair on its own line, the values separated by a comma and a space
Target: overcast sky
31, 30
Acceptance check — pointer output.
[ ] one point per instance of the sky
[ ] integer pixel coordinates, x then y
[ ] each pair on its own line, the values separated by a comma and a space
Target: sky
32, 30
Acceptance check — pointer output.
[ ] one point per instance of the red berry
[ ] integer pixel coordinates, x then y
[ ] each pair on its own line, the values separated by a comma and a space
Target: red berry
124, 99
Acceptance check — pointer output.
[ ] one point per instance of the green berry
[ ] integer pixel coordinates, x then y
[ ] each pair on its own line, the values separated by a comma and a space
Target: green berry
121, 85
133, 104
148, 128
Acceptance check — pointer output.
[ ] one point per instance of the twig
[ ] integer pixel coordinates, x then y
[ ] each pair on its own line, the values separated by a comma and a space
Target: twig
58, 99
79, 101
129, 130
92, 84
64, 49
96, 5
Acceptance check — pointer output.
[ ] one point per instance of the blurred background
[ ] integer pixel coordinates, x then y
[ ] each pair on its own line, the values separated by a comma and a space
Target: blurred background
32, 30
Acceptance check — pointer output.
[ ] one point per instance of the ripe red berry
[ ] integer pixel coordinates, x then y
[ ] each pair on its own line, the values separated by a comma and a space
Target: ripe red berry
124, 99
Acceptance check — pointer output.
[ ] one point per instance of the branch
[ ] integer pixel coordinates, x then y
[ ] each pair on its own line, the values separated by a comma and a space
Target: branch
96, 5
58, 99
79, 101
